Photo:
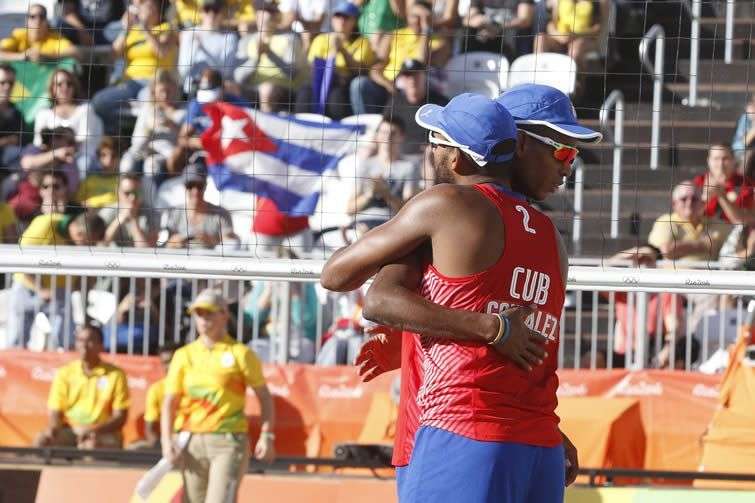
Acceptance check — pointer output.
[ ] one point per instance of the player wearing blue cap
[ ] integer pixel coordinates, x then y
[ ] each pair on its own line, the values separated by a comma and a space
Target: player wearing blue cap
456, 462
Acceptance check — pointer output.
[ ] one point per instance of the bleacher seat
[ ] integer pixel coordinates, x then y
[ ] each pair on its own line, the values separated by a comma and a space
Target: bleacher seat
549, 68
475, 72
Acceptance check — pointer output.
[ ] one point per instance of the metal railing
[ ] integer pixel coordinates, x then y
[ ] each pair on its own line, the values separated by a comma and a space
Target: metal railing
614, 316
694, 51
579, 187
658, 35
729, 32
614, 101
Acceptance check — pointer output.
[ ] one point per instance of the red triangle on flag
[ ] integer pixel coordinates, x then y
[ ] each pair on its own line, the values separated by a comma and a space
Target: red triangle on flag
232, 132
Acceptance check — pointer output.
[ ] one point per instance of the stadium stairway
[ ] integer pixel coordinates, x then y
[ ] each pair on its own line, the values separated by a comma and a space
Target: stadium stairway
686, 132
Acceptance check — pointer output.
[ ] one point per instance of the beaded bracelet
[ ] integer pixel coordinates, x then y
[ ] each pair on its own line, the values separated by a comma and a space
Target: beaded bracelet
504, 330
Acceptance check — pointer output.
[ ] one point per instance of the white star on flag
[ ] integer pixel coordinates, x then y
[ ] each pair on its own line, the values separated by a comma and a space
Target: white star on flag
233, 129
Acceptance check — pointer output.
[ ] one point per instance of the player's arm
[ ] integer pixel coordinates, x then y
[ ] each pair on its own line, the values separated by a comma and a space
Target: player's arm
392, 300
348, 268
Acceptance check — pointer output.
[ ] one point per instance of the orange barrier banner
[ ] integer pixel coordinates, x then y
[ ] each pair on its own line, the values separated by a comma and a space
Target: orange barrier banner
318, 407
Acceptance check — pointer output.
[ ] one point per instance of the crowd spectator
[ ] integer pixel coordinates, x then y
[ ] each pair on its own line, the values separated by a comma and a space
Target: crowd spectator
198, 224
206, 45
56, 156
386, 180
99, 188
273, 229
336, 58
8, 225
211, 89
722, 179
738, 251
574, 28
36, 42
156, 131
67, 110
89, 399
130, 223
154, 402
29, 296
745, 133
308, 14
84, 22
370, 94
206, 389
238, 14
128, 331
146, 45
413, 91
498, 26
11, 121
381, 17
274, 62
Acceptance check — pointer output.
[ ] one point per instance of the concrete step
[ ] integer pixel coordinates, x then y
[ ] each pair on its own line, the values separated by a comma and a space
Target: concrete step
710, 70
676, 112
715, 27
718, 92
638, 153
672, 131
637, 177
653, 200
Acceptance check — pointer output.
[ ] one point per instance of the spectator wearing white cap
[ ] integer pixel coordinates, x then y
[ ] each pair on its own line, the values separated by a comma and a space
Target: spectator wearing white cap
206, 390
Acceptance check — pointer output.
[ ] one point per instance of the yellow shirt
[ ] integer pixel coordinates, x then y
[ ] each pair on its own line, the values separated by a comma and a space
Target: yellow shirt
141, 60
7, 217
671, 227
88, 399
405, 44
98, 191
359, 48
211, 384
288, 48
189, 12
574, 17
19, 41
153, 406
43, 231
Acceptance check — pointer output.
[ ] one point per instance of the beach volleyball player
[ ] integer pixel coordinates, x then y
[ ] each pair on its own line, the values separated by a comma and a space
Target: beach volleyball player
491, 287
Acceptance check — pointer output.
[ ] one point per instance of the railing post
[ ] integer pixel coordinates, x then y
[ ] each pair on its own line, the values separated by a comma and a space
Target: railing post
615, 100
729, 42
576, 234
694, 52
657, 34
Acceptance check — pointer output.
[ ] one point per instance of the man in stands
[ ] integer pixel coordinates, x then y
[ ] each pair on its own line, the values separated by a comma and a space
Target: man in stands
722, 178
198, 224
130, 223
412, 92
36, 42
28, 296
11, 120
370, 94
505, 359
89, 399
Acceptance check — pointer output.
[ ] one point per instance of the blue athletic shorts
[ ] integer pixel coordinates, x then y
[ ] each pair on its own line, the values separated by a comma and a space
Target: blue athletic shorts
446, 467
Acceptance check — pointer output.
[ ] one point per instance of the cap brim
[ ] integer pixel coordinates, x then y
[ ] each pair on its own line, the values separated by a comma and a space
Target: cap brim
428, 117
581, 133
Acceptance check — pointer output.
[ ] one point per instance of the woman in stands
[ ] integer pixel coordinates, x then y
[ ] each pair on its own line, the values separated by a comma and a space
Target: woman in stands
574, 28
69, 110
146, 45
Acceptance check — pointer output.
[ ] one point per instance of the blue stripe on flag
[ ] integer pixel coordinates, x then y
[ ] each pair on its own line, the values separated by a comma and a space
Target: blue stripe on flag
287, 201
304, 157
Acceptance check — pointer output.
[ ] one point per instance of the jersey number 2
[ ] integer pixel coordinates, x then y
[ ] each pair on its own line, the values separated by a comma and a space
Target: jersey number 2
525, 218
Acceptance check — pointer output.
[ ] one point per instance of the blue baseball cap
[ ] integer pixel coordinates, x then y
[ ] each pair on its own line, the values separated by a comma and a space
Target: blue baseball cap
346, 8
472, 123
546, 106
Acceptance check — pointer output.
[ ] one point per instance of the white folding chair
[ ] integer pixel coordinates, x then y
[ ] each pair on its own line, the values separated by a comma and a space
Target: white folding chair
548, 68
475, 72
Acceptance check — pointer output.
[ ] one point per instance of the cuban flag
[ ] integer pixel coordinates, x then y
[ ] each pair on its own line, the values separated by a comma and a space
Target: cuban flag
275, 156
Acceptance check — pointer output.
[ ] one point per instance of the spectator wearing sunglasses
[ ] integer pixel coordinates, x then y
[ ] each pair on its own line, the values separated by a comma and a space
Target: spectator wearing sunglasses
130, 222
722, 181
199, 224
36, 42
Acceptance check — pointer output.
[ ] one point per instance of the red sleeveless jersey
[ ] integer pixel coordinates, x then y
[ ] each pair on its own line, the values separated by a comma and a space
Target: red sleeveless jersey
467, 388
